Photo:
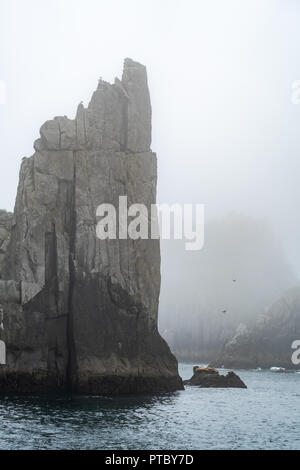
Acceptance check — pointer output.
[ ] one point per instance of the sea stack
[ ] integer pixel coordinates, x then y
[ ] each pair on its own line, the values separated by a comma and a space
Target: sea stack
80, 313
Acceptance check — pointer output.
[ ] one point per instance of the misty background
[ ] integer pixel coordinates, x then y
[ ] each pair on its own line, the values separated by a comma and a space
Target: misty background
224, 128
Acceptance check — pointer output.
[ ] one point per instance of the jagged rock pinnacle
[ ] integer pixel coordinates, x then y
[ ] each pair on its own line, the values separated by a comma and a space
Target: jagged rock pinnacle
81, 313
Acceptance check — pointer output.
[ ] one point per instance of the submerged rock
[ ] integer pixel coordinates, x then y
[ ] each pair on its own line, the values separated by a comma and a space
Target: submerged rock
80, 314
208, 377
280, 370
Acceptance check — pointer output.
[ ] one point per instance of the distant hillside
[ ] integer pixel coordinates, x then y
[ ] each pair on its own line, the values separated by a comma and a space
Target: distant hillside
269, 342
205, 295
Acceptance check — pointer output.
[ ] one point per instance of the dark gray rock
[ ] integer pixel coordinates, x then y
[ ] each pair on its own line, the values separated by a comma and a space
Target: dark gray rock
210, 378
5, 228
80, 314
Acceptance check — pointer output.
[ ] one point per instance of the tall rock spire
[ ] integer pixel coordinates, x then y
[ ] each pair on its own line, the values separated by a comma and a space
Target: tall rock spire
80, 313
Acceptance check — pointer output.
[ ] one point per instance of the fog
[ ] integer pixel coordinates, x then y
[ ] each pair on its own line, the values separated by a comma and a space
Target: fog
224, 126
233, 280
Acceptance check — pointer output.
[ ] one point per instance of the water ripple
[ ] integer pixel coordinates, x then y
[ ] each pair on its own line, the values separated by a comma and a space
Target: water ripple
265, 416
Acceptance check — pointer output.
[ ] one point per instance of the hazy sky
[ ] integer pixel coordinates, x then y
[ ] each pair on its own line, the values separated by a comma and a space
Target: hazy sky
220, 76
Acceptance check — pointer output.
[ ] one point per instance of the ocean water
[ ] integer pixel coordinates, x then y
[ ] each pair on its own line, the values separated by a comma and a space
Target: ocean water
264, 416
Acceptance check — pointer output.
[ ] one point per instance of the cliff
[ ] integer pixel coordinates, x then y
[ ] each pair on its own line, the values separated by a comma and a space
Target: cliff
80, 313
269, 342
5, 228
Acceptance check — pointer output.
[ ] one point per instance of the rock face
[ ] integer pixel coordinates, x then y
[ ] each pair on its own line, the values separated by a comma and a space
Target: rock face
207, 377
80, 313
269, 342
5, 228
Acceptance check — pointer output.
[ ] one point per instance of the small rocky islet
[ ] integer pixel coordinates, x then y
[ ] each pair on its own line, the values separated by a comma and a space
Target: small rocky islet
209, 377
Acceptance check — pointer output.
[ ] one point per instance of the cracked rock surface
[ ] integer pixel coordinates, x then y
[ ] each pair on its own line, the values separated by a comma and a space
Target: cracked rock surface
80, 314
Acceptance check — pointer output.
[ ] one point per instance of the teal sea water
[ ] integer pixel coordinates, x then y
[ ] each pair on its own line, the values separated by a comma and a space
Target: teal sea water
265, 416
